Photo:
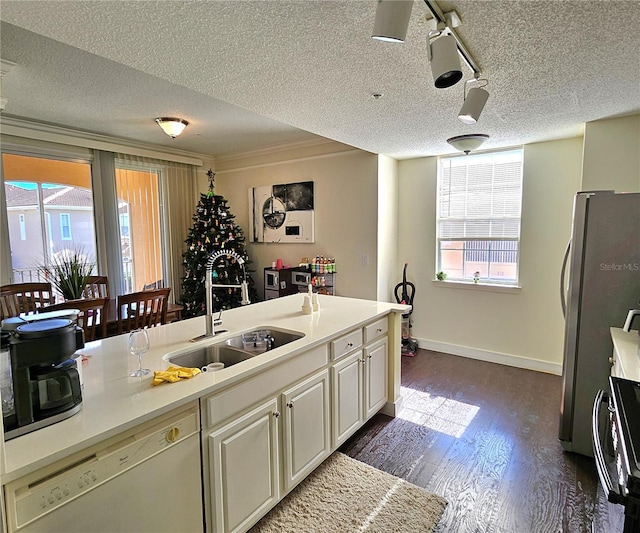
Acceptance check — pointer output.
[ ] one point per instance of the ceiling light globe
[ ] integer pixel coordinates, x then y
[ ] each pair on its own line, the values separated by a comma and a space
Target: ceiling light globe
467, 143
172, 126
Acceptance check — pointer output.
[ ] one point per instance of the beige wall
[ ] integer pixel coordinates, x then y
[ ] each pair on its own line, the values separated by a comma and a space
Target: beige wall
500, 326
387, 227
346, 214
612, 154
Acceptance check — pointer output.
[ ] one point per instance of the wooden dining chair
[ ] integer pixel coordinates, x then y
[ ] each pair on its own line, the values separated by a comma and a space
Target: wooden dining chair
92, 318
17, 298
96, 287
140, 309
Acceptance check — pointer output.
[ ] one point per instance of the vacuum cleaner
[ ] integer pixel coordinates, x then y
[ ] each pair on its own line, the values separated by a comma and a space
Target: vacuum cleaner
409, 345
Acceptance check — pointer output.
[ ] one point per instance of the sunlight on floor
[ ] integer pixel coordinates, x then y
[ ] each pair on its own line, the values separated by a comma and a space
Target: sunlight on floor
436, 412
383, 501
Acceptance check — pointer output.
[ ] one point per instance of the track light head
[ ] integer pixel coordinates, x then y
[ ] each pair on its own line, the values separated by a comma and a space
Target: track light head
473, 105
445, 63
392, 20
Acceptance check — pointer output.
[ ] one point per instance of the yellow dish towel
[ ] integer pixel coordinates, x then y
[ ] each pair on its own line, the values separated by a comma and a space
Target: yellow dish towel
173, 374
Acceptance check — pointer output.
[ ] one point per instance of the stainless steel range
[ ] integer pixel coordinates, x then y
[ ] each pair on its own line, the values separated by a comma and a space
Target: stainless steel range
616, 446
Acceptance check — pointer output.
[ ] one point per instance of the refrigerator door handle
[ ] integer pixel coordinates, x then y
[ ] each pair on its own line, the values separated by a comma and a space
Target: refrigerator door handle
563, 271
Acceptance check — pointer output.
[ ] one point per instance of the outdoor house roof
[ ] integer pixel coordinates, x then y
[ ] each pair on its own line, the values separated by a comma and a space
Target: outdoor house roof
18, 196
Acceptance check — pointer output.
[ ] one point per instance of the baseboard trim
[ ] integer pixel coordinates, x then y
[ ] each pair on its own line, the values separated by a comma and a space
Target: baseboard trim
492, 357
392, 408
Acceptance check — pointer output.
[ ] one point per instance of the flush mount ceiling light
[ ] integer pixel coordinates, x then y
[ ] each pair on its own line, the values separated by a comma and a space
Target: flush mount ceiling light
172, 126
392, 20
474, 102
445, 63
467, 143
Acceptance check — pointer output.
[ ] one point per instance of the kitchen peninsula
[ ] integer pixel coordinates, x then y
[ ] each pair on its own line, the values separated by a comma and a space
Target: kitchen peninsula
349, 347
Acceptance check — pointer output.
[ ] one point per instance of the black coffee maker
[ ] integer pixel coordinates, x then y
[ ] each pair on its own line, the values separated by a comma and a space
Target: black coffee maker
46, 383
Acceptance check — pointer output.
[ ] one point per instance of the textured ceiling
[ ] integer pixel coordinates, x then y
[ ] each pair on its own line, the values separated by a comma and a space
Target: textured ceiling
256, 74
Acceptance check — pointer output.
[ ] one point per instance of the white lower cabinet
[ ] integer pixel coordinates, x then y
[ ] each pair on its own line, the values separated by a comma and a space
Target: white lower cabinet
359, 388
246, 454
375, 382
348, 394
244, 468
306, 430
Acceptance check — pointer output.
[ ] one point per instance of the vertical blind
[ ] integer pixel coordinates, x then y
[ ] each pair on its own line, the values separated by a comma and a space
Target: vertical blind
162, 196
480, 196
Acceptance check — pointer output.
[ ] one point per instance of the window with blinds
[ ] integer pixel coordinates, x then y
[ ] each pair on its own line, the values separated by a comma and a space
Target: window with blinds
478, 219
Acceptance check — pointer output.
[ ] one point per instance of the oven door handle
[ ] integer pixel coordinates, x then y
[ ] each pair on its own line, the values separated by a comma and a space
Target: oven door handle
613, 495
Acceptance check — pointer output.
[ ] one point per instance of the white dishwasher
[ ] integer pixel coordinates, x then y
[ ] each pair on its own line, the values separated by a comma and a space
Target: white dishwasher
147, 479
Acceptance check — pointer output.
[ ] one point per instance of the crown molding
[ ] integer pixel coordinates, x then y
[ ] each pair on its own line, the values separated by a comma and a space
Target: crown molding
259, 152
43, 131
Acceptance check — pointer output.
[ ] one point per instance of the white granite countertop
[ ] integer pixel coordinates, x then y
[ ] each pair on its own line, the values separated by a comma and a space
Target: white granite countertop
626, 346
114, 402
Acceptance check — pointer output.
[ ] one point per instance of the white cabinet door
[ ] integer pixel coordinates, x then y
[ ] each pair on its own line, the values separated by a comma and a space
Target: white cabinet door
245, 474
306, 428
348, 393
375, 383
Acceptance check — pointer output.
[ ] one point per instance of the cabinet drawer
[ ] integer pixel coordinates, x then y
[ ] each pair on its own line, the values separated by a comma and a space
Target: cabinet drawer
346, 344
243, 395
376, 330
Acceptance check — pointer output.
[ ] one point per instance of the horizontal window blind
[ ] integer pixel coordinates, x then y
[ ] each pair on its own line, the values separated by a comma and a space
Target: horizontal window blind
480, 196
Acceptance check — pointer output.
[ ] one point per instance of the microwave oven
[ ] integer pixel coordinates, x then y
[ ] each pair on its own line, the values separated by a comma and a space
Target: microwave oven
300, 278
272, 280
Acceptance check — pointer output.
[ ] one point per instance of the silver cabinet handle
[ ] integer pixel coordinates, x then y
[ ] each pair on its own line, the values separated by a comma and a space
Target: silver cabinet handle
369, 356
349, 344
612, 361
290, 405
379, 330
276, 414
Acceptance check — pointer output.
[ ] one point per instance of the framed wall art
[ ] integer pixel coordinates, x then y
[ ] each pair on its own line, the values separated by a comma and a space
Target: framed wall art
282, 213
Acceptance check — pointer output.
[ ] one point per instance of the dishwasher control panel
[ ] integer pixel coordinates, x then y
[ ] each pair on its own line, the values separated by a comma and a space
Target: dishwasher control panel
31, 497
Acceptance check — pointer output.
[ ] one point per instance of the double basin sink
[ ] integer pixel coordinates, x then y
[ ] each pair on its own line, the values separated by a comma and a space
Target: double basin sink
236, 349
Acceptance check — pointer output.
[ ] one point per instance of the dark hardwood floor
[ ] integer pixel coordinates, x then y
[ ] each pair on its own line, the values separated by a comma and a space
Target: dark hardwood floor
484, 436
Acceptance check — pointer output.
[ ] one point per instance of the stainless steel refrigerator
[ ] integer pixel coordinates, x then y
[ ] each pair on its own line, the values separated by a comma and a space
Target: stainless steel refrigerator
600, 282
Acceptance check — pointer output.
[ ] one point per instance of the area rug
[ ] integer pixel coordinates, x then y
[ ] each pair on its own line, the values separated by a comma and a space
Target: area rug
345, 495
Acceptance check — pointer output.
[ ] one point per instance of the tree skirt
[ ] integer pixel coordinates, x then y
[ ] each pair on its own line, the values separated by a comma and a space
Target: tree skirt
346, 495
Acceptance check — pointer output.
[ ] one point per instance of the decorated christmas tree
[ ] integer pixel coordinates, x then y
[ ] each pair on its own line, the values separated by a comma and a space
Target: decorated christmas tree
213, 230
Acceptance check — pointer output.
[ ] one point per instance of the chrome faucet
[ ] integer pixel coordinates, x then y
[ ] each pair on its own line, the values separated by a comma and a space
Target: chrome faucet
210, 323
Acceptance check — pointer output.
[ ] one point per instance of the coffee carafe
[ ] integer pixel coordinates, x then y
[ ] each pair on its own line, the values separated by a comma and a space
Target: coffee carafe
45, 379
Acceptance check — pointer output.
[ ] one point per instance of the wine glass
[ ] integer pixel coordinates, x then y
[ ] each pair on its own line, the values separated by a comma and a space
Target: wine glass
139, 345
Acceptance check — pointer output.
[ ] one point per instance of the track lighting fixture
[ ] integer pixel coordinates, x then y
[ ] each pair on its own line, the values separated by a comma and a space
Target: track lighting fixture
474, 101
172, 126
443, 56
392, 20
467, 143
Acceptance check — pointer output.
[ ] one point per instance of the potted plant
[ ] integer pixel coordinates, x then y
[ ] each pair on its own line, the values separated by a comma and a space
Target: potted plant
68, 272
441, 276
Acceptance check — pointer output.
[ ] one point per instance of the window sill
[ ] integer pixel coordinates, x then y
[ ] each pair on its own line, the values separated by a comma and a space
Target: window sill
488, 287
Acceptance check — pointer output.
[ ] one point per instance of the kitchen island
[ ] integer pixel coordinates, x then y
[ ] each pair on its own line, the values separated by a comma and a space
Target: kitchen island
114, 403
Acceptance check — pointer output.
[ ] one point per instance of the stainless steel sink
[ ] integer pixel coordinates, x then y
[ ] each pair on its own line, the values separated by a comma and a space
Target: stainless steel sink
216, 353
236, 349
263, 339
